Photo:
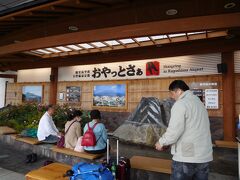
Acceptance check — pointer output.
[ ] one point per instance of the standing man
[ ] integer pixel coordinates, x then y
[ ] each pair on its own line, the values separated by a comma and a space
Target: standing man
188, 134
47, 131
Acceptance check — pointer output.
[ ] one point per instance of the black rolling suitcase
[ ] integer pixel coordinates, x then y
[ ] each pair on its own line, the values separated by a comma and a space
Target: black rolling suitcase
120, 166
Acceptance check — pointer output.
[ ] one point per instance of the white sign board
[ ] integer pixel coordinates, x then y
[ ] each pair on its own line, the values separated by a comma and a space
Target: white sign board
34, 75
211, 98
205, 64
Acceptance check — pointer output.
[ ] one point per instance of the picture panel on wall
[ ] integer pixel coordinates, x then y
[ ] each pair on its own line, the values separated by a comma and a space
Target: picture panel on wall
32, 94
73, 94
110, 95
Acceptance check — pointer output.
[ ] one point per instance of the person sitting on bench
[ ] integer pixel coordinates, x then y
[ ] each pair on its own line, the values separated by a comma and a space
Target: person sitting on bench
73, 129
47, 131
100, 134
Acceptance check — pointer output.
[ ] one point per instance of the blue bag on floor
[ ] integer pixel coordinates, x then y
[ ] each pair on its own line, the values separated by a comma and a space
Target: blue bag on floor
86, 171
29, 132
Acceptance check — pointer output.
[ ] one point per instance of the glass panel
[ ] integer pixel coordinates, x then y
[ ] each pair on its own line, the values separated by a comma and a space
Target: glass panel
98, 44
126, 41
86, 46
64, 48
74, 47
142, 39
112, 42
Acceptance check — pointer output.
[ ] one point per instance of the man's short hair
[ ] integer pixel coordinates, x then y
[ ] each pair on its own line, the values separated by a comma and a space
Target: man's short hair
50, 106
178, 84
95, 114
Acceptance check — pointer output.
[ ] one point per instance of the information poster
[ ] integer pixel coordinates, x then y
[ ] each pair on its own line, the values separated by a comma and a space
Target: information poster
73, 94
211, 98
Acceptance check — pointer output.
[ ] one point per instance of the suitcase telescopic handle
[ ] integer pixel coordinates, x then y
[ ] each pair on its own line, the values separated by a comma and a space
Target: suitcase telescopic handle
116, 138
107, 151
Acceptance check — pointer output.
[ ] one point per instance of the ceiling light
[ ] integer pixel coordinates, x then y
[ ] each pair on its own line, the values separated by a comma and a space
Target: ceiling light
126, 41
229, 5
171, 12
74, 47
142, 39
53, 50
112, 42
73, 28
98, 44
64, 48
159, 37
37, 52
176, 35
192, 33
43, 51
86, 46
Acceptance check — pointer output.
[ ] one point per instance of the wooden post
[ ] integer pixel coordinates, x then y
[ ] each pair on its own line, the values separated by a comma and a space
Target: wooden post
53, 86
229, 122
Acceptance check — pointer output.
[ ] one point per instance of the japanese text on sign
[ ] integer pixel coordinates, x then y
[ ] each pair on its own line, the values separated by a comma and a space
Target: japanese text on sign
121, 72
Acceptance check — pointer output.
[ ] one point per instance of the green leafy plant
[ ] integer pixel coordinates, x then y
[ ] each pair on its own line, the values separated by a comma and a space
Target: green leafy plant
28, 115
21, 117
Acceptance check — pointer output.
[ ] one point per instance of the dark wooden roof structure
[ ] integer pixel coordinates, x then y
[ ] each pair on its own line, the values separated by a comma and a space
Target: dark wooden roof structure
53, 33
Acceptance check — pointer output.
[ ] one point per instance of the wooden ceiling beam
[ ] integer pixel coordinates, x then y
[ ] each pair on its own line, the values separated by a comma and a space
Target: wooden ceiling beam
167, 50
7, 29
71, 9
33, 9
52, 13
15, 59
92, 3
26, 18
35, 14
11, 76
122, 13
9, 23
134, 30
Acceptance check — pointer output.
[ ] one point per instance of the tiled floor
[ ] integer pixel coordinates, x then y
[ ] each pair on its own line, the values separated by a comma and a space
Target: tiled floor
10, 175
13, 166
12, 163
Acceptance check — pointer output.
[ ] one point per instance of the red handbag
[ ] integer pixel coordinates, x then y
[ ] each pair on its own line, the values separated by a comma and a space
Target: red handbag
89, 138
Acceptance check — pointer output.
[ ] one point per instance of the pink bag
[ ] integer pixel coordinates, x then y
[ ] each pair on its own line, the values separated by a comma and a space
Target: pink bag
79, 147
61, 141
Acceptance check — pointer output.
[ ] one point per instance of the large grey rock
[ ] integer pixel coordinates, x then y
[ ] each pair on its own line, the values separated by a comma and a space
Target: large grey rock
147, 123
146, 134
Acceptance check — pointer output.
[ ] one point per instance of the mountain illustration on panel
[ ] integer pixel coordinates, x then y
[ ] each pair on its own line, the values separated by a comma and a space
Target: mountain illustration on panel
147, 123
31, 97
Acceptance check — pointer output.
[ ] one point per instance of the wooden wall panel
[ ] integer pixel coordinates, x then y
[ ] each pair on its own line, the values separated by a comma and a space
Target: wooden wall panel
14, 92
138, 89
13, 95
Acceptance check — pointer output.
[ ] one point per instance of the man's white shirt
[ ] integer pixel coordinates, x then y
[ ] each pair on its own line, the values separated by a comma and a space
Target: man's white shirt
46, 127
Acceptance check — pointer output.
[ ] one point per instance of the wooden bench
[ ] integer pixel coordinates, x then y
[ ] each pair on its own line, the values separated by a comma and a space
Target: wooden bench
13, 136
226, 144
151, 164
54, 171
6, 130
77, 154
29, 140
